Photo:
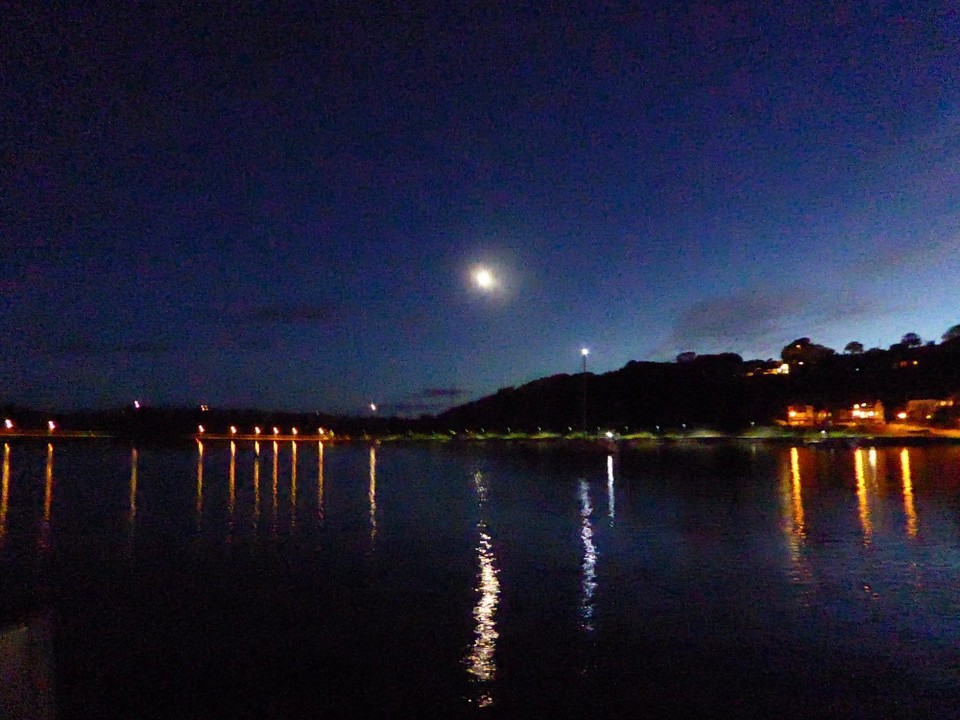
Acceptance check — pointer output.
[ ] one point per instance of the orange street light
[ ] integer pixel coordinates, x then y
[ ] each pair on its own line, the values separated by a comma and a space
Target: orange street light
294, 431
276, 431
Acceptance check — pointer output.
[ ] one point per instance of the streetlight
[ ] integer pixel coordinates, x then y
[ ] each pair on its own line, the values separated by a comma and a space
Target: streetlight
233, 429
8, 424
373, 407
51, 425
583, 416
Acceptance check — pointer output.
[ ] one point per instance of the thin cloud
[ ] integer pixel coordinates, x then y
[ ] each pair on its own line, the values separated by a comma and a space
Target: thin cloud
412, 407
292, 314
442, 392
761, 319
82, 347
429, 400
277, 314
729, 322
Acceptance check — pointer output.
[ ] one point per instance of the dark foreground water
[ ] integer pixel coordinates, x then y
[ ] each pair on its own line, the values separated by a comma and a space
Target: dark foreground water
700, 581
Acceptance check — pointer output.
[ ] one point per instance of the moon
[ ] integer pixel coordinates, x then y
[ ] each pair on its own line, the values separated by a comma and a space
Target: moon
483, 278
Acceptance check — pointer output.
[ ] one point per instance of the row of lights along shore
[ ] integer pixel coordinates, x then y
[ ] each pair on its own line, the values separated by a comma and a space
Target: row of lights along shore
259, 431
9, 425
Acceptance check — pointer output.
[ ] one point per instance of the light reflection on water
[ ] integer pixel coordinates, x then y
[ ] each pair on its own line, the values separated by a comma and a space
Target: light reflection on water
863, 502
588, 581
293, 485
231, 490
908, 506
611, 503
794, 524
372, 495
275, 486
481, 662
4, 492
256, 488
132, 514
47, 500
199, 505
788, 560
320, 481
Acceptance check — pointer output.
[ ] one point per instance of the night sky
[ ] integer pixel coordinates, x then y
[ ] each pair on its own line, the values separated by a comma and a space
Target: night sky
283, 207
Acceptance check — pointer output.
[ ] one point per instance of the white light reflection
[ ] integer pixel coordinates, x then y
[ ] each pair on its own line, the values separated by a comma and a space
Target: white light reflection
908, 506
611, 508
372, 495
481, 662
588, 583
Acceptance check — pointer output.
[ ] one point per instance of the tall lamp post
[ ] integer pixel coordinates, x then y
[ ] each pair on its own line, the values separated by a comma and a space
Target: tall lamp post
583, 414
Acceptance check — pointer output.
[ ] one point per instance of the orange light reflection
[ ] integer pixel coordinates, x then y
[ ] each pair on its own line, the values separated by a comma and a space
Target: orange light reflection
256, 491
199, 483
276, 481
134, 461
232, 497
908, 506
320, 481
48, 485
797, 496
4, 491
293, 484
862, 501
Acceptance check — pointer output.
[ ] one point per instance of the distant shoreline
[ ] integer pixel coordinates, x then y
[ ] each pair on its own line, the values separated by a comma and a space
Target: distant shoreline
845, 437
814, 440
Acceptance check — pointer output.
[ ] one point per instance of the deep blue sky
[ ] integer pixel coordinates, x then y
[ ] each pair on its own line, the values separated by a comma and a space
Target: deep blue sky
281, 207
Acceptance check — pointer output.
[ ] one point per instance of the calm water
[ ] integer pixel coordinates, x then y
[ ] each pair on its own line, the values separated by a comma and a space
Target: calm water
502, 581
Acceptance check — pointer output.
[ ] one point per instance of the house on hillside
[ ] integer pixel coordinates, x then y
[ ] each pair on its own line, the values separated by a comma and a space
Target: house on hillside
861, 413
922, 411
806, 416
